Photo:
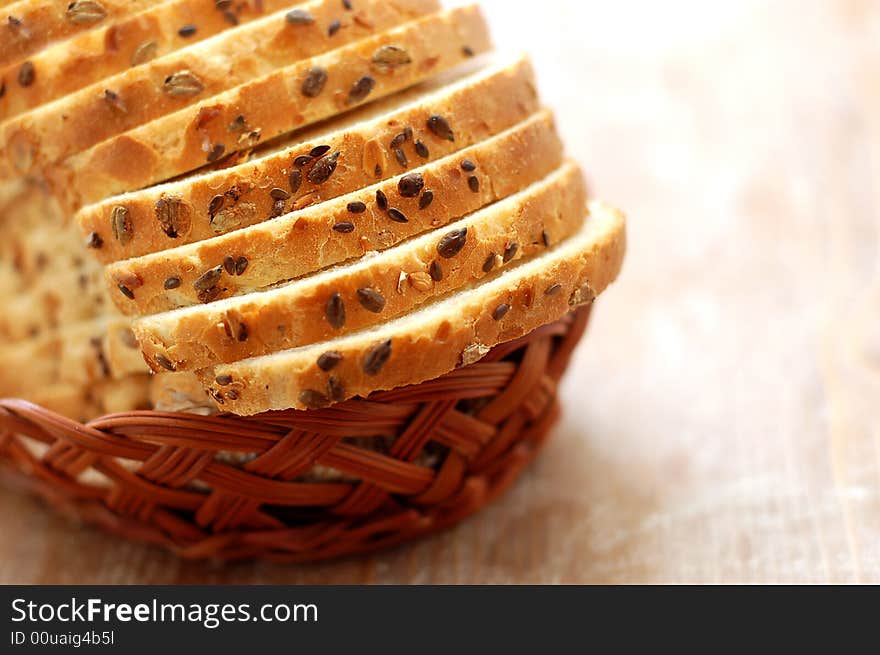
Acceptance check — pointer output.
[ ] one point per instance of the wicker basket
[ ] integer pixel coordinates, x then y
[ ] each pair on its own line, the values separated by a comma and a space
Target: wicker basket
233, 488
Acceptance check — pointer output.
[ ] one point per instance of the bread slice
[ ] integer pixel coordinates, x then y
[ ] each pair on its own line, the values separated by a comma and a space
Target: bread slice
103, 349
30, 25
168, 84
371, 290
86, 402
425, 344
268, 107
112, 47
302, 242
478, 100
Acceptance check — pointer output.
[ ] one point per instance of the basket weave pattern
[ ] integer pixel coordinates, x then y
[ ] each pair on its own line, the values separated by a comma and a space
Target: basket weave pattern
169, 479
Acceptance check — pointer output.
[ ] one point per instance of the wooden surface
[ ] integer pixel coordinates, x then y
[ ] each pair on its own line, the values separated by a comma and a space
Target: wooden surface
722, 418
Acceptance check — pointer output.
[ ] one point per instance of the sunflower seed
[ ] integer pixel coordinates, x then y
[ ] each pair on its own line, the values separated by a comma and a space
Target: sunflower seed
361, 89
216, 204
422, 150
229, 265
173, 217
347, 4
335, 389
94, 241
26, 74
299, 17
335, 311
420, 281
435, 270
323, 168
344, 227
371, 300
224, 380
208, 279
114, 101
411, 185
313, 399
397, 216
334, 27
144, 53
452, 243
440, 127
381, 200
489, 264
474, 183
329, 360
553, 289
545, 238
314, 82
389, 57
467, 51
187, 31
172, 282
216, 152
357, 207
500, 311
319, 151
128, 293
400, 155
303, 161
85, 11
510, 251
183, 84
294, 180
426, 199
278, 194
376, 357
120, 223
241, 265
397, 141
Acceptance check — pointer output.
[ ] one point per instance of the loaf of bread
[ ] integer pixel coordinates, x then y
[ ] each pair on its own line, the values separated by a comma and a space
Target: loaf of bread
134, 40
193, 74
372, 289
477, 101
431, 341
287, 99
374, 218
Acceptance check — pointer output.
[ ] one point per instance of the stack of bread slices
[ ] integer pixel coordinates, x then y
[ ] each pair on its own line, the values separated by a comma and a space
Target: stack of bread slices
251, 205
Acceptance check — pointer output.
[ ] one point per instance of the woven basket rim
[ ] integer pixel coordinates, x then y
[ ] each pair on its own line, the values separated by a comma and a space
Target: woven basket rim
412, 460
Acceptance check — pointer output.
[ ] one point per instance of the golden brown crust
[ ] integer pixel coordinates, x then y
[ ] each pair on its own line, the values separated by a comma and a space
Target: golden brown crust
433, 340
115, 46
303, 242
168, 84
374, 289
37, 23
477, 106
271, 106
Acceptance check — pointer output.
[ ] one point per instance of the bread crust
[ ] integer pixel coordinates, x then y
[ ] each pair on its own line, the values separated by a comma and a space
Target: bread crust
269, 107
112, 47
478, 107
435, 339
169, 84
303, 242
37, 23
372, 290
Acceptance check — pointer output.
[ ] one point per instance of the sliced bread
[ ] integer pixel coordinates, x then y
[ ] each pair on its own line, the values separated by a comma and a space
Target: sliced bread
157, 30
165, 85
89, 401
287, 99
375, 142
437, 338
79, 354
369, 291
371, 219
30, 25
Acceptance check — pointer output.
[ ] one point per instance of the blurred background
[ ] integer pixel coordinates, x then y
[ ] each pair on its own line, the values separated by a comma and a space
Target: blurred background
723, 415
